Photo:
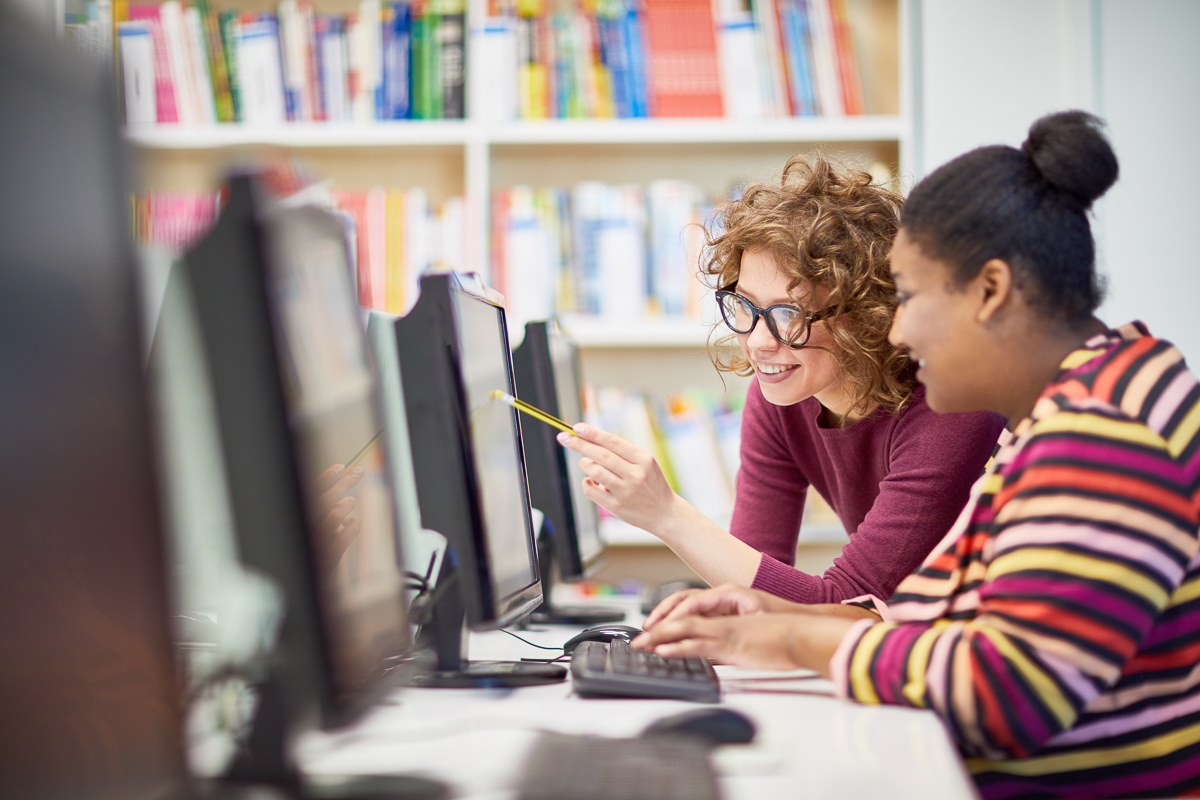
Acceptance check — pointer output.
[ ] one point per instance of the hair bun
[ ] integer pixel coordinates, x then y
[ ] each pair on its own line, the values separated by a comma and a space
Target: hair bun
1071, 152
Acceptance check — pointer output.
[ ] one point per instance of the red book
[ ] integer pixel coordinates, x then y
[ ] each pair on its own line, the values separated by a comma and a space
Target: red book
164, 88
681, 55
499, 224
847, 59
354, 203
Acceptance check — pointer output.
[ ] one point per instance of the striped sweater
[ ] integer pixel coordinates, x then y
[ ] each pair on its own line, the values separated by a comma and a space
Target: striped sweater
1056, 629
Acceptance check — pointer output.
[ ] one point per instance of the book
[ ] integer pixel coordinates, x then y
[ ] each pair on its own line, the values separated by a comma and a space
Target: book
794, 24
179, 63
683, 74
451, 63
397, 98
217, 64
825, 65
259, 73
847, 60
137, 66
164, 90
198, 63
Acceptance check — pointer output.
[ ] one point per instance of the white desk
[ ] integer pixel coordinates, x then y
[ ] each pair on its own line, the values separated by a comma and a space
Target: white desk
809, 744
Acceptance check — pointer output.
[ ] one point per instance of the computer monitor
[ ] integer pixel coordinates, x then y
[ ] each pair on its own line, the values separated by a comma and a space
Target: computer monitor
88, 697
546, 366
470, 471
308, 480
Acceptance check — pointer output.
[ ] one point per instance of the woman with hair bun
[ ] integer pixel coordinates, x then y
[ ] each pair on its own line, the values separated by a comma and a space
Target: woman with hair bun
803, 284
1056, 630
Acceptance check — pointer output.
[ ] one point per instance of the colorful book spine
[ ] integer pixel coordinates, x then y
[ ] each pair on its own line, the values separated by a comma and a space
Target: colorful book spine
164, 90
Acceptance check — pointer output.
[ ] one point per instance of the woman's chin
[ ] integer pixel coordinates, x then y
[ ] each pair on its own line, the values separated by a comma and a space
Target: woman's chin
781, 393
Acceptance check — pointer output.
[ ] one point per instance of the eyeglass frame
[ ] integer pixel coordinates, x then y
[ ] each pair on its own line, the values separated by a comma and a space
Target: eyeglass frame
809, 316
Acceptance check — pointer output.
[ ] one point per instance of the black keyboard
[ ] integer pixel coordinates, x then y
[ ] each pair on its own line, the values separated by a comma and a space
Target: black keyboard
614, 669
567, 767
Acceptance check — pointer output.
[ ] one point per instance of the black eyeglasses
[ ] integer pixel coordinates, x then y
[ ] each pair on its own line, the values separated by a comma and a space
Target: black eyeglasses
789, 325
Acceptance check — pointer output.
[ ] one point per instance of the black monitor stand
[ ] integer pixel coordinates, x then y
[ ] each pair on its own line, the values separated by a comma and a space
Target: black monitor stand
441, 615
549, 614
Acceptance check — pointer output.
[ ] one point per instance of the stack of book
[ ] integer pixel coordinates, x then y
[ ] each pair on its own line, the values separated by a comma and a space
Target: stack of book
667, 58
393, 235
622, 253
694, 436
191, 65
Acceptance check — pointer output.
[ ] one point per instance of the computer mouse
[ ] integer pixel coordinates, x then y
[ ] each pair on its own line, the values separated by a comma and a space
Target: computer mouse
601, 633
713, 725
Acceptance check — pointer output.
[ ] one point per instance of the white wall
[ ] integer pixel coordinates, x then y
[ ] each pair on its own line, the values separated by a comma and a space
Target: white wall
990, 68
1150, 95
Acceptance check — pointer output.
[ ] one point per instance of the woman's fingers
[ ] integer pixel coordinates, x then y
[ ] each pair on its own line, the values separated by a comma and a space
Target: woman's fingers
622, 448
668, 604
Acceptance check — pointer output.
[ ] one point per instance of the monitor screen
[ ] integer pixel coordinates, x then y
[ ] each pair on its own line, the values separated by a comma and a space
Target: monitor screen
568, 394
496, 442
340, 459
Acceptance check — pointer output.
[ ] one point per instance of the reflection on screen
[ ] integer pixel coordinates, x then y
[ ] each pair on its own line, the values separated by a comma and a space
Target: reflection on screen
333, 419
495, 439
566, 392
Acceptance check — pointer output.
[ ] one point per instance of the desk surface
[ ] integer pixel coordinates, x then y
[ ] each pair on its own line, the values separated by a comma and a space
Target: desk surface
809, 744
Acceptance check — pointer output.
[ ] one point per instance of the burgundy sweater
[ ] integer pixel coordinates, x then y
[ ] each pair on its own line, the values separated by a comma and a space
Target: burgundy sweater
897, 481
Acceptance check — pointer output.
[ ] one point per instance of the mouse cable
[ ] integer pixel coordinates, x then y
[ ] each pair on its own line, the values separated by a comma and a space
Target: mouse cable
531, 644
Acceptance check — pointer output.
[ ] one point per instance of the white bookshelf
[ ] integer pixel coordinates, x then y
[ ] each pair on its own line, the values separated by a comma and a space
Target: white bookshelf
473, 157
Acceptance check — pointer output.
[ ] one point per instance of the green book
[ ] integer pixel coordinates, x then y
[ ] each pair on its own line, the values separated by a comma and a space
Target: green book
420, 89
228, 25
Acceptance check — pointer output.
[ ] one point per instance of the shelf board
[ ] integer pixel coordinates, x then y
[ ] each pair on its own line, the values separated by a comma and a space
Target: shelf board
595, 332
698, 131
432, 133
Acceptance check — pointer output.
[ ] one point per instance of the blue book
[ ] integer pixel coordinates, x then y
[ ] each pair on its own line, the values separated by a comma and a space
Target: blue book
794, 22
613, 53
397, 57
636, 58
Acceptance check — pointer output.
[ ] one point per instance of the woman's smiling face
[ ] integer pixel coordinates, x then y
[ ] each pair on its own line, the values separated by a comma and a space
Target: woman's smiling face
787, 376
936, 323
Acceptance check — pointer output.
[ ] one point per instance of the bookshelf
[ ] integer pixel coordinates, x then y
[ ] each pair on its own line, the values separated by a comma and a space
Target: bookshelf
472, 157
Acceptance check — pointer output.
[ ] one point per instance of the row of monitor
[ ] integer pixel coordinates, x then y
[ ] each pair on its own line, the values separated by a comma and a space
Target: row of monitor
297, 389
262, 343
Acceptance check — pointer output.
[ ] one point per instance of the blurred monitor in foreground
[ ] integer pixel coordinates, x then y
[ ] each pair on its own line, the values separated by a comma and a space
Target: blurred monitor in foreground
88, 699
308, 479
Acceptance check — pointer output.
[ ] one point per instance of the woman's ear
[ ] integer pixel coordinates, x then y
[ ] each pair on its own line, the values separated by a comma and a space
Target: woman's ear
994, 284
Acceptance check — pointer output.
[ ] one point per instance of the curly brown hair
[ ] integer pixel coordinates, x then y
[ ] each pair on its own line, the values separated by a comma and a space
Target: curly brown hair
827, 225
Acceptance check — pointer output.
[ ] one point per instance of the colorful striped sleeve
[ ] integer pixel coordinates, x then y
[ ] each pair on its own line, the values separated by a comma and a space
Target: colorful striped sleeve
1088, 534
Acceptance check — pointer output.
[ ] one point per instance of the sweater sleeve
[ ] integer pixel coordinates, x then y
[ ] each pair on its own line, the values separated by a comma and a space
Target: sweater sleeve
932, 460
771, 489
1093, 532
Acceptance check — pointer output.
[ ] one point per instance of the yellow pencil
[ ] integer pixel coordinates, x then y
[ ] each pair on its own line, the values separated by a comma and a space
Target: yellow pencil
533, 411
352, 463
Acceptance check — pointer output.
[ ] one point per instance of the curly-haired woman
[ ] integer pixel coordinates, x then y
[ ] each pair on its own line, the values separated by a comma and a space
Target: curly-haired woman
802, 274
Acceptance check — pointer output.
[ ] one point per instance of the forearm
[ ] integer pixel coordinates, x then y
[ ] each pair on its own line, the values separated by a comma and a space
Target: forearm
815, 636
712, 552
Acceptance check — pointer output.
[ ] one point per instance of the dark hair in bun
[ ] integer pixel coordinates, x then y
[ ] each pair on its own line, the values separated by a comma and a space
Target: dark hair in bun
1027, 207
